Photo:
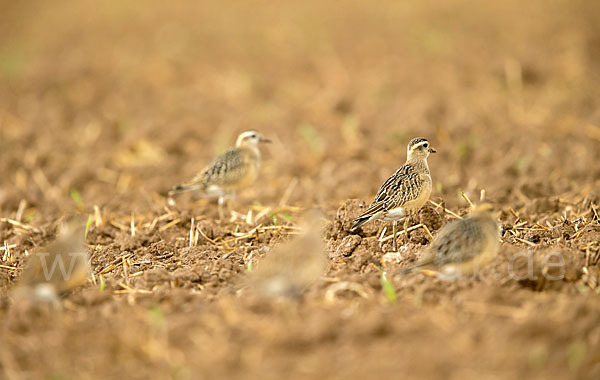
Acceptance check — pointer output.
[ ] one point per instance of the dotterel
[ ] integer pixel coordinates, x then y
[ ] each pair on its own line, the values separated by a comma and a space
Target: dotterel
405, 192
233, 170
462, 247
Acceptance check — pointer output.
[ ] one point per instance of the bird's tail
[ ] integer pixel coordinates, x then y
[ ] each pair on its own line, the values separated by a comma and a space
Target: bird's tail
410, 268
183, 188
359, 222
425, 264
373, 212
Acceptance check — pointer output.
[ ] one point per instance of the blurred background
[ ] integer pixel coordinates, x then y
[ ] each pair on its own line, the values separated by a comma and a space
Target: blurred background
106, 104
112, 102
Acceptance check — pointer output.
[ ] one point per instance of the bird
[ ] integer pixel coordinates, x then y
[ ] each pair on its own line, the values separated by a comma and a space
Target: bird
462, 247
57, 268
405, 192
233, 170
288, 269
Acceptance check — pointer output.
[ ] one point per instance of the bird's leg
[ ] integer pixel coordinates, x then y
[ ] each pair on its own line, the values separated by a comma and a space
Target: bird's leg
395, 243
230, 198
170, 201
406, 228
429, 273
221, 202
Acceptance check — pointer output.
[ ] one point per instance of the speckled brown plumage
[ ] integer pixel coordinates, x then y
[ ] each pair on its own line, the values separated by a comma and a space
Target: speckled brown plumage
231, 171
406, 190
463, 246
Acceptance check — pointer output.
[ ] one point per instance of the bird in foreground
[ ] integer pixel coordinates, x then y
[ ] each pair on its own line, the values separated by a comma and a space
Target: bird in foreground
462, 247
231, 171
405, 192
289, 268
58, 267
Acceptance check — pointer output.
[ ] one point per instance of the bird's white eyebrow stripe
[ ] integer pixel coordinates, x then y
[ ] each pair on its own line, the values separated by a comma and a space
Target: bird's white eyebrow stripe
419, 144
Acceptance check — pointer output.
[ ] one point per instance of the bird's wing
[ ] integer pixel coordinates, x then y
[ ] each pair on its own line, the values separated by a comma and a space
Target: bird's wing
458, 242
401, 188
224, 169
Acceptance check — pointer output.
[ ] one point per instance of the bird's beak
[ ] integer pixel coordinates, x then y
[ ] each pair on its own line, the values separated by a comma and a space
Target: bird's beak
432, 150
264, 140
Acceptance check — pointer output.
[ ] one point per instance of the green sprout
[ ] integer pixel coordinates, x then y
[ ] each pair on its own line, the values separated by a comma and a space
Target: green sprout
522, 164
538, 357
396, 136
274, 217
76, 197
12, 62
388, 288
463, 151
312, 137
285, 216
351, 124
157, 318
418, 300
87, 227
576, 353
433, 41
30, 216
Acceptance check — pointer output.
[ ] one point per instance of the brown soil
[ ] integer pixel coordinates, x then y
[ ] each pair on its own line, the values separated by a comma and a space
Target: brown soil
107, 104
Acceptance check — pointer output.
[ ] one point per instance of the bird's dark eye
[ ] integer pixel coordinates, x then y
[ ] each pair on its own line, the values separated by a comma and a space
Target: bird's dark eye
425, 145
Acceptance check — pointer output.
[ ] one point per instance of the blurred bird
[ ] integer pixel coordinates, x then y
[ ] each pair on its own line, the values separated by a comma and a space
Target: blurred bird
57, 268
289, 268
405, 192
231, 171
462, 247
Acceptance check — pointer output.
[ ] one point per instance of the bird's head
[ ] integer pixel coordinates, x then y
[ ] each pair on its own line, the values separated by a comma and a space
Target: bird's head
419, 148
250, 137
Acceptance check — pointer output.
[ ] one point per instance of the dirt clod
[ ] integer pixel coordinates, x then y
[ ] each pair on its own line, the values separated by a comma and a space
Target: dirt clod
347, 246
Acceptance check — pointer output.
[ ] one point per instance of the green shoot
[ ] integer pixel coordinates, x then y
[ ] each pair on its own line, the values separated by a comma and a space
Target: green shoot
12, 63
388, 288
157, 318
312, 137
77, 198
351, 124
102, 283
463, 151
418, 298
396, 137
538, 357
521, 165
286, 216
87, 227
576, 353
30, 216
274, 216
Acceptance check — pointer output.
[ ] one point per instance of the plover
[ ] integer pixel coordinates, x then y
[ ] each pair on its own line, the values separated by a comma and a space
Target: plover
405, 192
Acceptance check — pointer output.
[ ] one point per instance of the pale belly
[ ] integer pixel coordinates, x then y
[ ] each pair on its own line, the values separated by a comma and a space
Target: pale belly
248, 178
410, 206
455, 270
395, 214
